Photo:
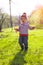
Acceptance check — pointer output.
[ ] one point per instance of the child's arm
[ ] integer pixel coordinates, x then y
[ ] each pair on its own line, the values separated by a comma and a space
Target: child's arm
17, 29
31, 27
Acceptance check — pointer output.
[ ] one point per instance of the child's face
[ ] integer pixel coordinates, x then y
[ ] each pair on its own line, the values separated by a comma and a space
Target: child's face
23, 19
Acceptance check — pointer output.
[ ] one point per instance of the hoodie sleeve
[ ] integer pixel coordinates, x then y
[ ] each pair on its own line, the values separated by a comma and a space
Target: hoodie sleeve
30, 27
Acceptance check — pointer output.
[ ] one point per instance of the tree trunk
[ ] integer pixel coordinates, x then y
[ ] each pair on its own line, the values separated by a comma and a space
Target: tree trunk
0, 28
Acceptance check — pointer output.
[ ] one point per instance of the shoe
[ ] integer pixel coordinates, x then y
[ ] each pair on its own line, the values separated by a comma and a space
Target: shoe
25, 50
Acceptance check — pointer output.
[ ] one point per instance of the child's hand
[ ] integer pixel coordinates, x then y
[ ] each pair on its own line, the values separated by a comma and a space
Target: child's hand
33, 27
15, 29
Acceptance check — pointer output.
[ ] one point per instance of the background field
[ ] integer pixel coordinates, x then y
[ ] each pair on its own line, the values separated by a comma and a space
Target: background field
10, 53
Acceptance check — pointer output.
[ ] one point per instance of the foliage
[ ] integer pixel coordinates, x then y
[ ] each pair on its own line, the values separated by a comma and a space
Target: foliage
36, 17
10, 53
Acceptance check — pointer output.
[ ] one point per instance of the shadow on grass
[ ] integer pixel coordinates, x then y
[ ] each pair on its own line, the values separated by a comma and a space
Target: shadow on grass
19, 59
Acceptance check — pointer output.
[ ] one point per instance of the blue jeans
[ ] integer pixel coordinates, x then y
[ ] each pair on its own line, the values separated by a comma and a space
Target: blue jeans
23, 40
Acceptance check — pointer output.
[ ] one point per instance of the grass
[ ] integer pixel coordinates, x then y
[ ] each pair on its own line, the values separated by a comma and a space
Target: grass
10, 53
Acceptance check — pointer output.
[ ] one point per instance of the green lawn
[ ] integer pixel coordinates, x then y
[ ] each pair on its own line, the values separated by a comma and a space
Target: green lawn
10, 53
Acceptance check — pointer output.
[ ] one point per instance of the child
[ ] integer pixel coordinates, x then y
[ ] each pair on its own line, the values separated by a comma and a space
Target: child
23, 33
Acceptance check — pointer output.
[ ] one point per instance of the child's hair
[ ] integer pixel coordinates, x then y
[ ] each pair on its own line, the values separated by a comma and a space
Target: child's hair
24, 16
24, 13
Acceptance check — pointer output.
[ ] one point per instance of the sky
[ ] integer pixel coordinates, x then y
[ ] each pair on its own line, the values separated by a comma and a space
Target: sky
20, 6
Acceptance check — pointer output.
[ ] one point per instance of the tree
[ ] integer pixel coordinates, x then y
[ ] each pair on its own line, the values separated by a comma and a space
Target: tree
37, 17
2, 19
